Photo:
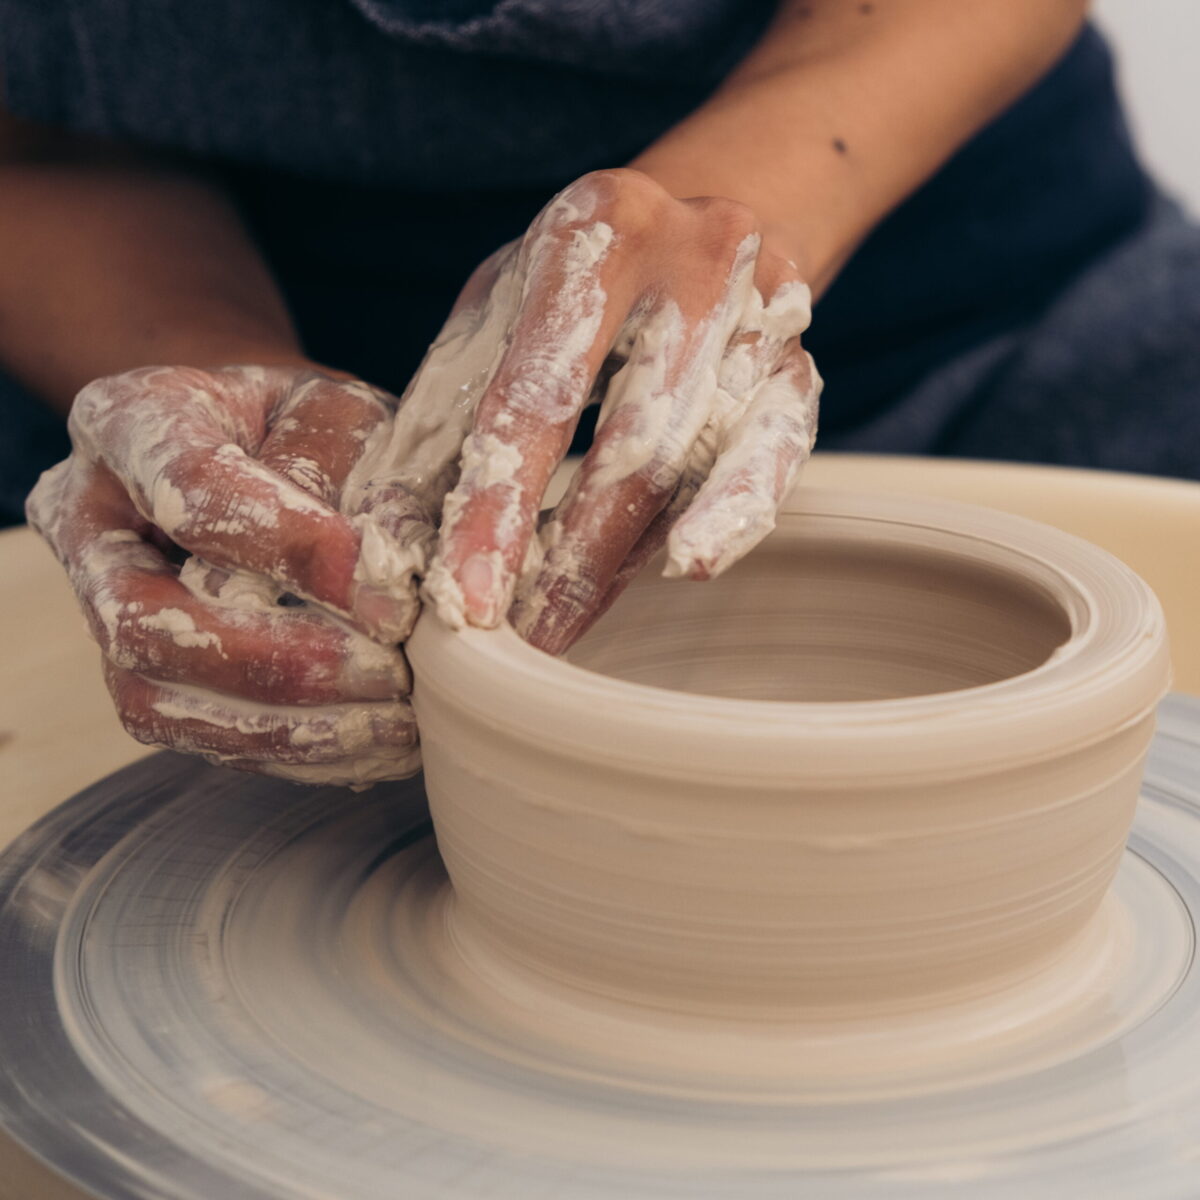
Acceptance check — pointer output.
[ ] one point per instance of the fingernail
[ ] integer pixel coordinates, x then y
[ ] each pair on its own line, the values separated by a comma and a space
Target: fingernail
482, 586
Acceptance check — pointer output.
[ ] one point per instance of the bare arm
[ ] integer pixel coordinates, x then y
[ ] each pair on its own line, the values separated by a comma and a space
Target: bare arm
112, 261
845, 107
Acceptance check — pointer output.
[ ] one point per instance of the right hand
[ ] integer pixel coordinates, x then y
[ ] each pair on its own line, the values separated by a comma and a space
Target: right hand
245, 469
683, 319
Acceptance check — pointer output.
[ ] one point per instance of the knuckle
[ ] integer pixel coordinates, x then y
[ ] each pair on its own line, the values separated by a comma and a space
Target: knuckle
44, 504
374, 401
114, 632
656, 481
628, 186
309, 561
661, 472
39, 506
731, 215
545, 387
199, 472
650, 484
630, 201
309, 474
126, 691
726, 224
132, 643
641, 206
105, 629
93, 402
141, 730
97, 399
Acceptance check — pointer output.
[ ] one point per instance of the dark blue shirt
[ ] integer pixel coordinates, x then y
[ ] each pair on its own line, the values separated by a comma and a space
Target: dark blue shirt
381, 148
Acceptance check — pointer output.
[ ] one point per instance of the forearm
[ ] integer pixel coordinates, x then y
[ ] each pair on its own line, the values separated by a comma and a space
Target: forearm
111, 263
844, 108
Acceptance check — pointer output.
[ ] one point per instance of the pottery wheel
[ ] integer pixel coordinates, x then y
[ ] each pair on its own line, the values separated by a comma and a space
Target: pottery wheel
219, 986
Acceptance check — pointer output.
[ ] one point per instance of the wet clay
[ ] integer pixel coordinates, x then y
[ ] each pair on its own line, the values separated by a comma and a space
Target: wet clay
887, 763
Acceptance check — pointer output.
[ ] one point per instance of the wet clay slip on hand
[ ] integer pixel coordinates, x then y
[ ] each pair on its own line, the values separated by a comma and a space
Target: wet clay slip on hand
888, 761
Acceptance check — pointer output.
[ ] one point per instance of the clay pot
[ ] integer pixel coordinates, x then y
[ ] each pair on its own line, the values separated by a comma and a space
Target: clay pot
894, 752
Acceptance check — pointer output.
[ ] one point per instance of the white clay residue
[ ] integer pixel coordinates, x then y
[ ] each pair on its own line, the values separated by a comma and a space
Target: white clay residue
235, 589
385, 562
181, 628
334, 743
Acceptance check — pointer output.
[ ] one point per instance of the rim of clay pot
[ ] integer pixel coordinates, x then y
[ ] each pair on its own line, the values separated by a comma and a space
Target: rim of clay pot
1112, 670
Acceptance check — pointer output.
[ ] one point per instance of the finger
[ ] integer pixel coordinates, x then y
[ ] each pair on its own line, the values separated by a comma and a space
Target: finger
572, 303
53, 497
158, 627
354, 773
526, 610
144, 618
177, 441
763, 333
328, 438
319, 431
398, 537
656, 408
756, 465
195, 721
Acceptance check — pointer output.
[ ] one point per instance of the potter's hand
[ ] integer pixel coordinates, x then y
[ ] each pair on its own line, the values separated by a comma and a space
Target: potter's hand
674, 315
245, 468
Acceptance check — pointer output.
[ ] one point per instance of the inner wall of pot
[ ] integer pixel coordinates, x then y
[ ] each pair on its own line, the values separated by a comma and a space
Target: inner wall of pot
822, 621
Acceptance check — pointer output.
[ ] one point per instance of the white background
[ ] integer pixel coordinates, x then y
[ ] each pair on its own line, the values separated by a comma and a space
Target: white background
1157, 43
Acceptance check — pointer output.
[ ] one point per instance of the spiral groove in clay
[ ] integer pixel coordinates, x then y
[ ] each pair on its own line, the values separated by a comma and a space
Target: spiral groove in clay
892, 755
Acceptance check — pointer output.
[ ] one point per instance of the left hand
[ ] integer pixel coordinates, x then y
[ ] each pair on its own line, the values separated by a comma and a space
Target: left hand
251, 471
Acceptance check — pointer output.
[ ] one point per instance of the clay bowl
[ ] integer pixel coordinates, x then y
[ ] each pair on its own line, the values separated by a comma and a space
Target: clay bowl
894, 753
